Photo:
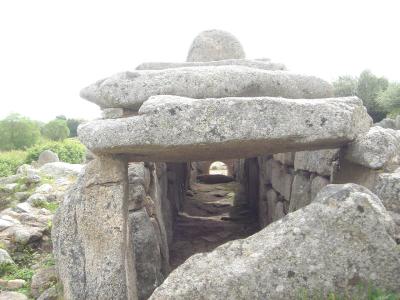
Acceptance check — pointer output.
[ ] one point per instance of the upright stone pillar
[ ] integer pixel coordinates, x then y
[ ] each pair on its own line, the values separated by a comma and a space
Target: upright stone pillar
104, 227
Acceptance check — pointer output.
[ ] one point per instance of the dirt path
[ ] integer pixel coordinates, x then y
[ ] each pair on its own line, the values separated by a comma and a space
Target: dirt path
209, 219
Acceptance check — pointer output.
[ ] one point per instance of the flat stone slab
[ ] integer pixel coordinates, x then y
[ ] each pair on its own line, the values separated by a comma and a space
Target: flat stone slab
131, 89
251, 63
171, 128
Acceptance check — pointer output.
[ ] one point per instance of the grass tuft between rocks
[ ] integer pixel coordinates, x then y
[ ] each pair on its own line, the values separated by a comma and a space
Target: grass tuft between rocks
362, 292
27, 260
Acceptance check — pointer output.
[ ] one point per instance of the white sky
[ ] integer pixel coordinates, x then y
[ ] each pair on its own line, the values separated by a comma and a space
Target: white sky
50, 49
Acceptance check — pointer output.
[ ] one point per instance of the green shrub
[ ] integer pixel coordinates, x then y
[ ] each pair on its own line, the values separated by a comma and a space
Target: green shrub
56, 130
10, 161
69, 150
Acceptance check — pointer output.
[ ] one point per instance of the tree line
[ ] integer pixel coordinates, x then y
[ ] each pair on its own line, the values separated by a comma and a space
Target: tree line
19, 132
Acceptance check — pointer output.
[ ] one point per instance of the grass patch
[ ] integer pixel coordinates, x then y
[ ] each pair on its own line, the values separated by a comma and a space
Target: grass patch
51, 206
25, 258
361, 292
15, 272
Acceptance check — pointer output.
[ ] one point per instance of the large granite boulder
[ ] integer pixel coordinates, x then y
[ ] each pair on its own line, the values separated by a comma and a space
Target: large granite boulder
378, 148
387, 187
215, 45
342, 240
170, 128
130, 89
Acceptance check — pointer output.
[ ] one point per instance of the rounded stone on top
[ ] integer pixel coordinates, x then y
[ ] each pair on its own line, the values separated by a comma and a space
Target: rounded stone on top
47, 156
212, 45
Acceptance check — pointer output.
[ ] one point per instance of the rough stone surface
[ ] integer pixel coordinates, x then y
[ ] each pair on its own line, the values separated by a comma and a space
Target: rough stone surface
42, 280
173, 128
32, 176
49, 294
61, 169
215, 44
272, 200
251, 63
147, 253
47, 156
386, 123
137, 189
301, 191
349, 172
295, 254
112, 113
15, 284
12, 296
279, 211
37, 199
10, 179
91, 267
262, 212
282, 179
378, 148
265, 166
214, 178
317, 184
4, 224
387, 188
5, 258
131, 89
285, 158
320, 161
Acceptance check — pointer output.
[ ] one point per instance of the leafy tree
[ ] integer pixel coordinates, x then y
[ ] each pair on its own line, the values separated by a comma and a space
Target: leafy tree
368, 88
73, 126
56, 130
390, 99
18, 132
345, 86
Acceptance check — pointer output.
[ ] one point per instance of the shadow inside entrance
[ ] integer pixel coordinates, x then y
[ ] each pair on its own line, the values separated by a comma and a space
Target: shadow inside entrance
210, 217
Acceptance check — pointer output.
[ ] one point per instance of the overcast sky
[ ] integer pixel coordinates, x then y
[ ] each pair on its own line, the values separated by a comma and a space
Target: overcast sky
51, 49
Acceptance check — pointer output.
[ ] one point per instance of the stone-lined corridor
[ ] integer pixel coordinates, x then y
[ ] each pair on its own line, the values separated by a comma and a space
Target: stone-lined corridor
210, 217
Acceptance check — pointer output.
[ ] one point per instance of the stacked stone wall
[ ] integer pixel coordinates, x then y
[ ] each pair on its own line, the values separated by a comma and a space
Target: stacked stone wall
290, 181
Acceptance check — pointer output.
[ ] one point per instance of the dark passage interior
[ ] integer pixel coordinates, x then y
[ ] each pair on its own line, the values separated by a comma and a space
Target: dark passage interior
212, 213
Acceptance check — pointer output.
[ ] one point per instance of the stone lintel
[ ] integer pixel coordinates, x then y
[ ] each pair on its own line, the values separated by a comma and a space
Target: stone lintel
177, 129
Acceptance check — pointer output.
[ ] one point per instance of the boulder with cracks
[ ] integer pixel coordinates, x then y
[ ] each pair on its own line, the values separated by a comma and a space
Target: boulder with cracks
344, 239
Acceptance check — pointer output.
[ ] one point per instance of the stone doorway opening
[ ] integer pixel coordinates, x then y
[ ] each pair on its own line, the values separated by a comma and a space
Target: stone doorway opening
215, 210
218, 168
